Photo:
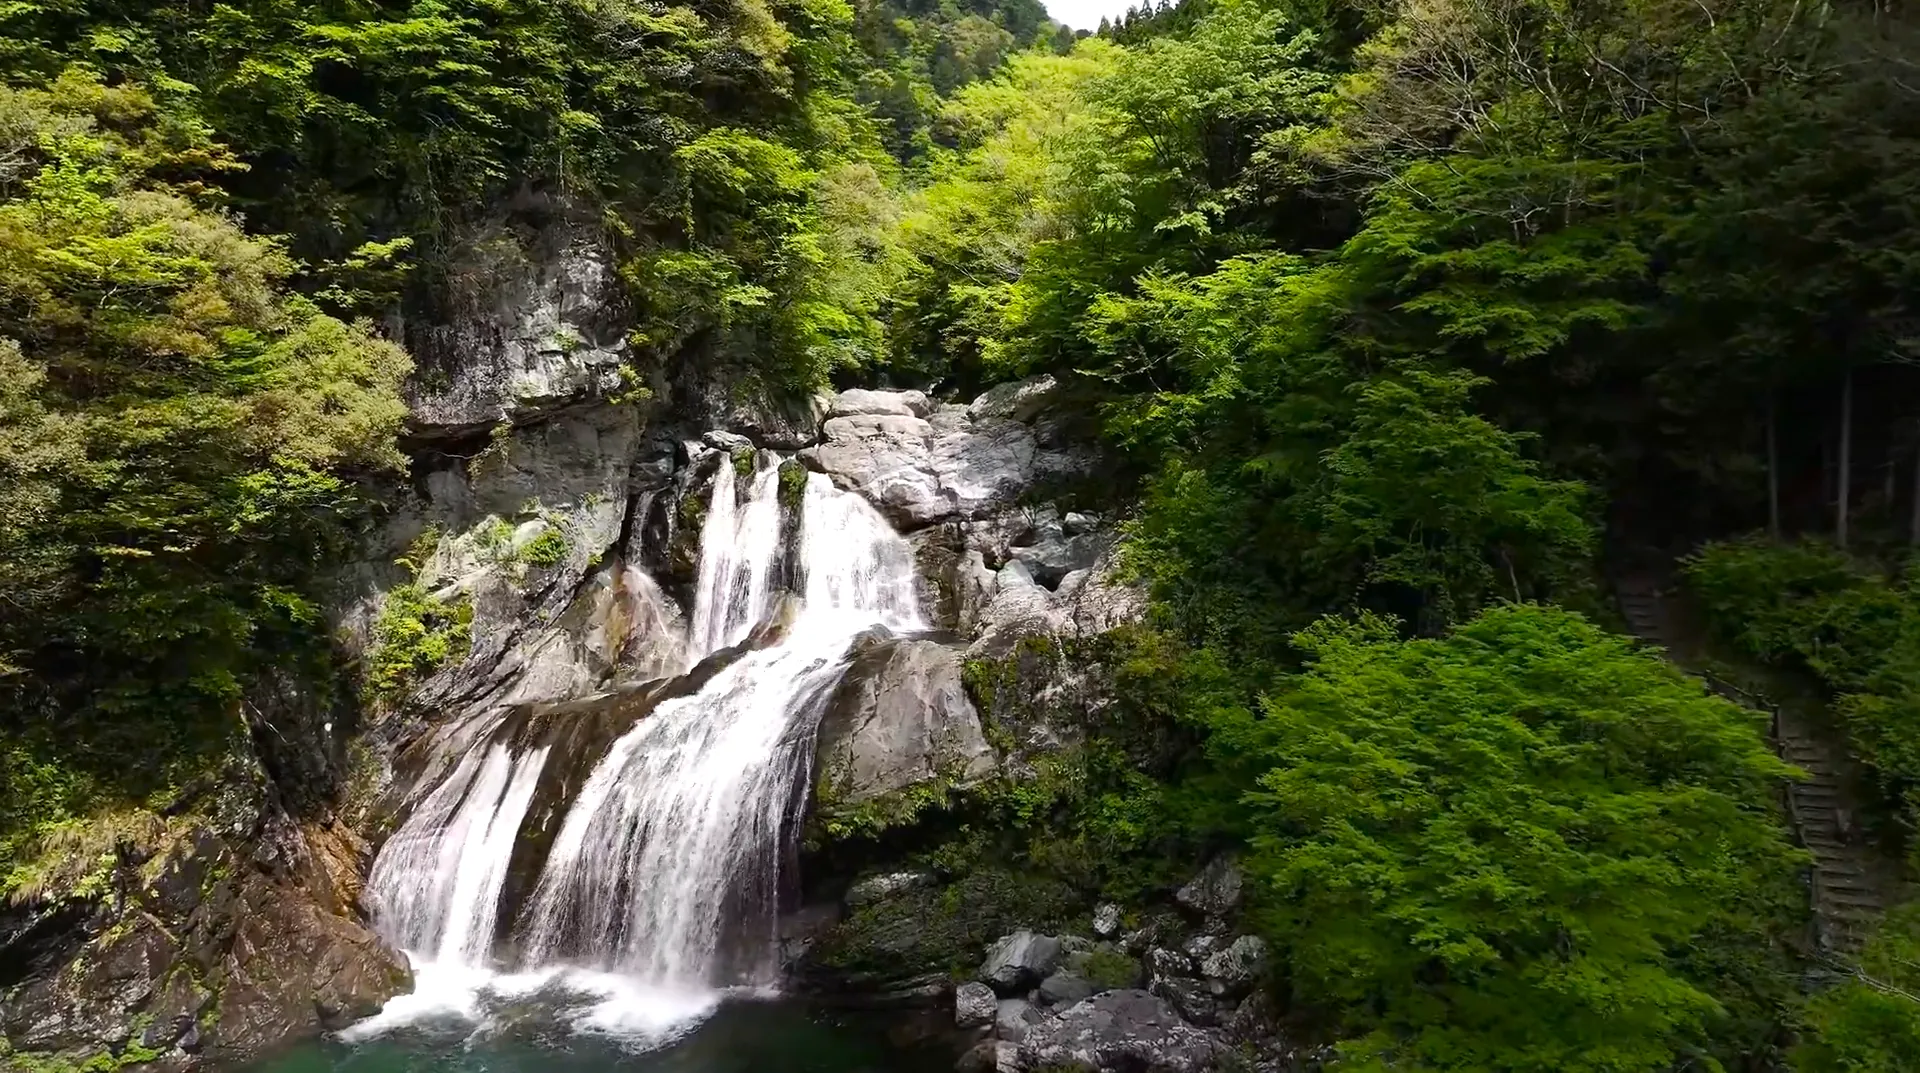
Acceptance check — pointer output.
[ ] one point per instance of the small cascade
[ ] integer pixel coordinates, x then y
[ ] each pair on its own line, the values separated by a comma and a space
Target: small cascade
666, 869
738, 545
435, 889
640, 623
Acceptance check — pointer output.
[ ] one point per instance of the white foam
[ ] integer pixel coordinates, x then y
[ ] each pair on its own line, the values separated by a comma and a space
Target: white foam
619, 1008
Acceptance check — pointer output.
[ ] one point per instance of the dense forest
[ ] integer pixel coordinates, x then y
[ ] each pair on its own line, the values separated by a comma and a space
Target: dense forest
1414, 324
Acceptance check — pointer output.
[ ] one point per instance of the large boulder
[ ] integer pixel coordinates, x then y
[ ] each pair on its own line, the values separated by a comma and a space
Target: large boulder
900, 717
1216, 890
922, 464
860, 402
1064, 988
974, 1004
1021, 960
887, 458
1231, 971
1014, 1018
1120, 1032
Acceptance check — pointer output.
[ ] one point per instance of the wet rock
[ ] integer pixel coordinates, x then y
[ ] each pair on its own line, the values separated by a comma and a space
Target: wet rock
1020, 961
1013, 1018
1215, 891
990, 1056
269, 953
722, 440
1120, 1031
875, 888
974, 1004
901, 716
1231, 971
1065, 988
1106, 920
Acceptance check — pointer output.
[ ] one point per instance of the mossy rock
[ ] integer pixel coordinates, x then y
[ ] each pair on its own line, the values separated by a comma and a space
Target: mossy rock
939, 930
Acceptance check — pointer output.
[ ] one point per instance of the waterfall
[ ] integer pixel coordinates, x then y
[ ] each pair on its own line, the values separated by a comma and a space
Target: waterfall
435, 888
666, 871
667, 867
737, 550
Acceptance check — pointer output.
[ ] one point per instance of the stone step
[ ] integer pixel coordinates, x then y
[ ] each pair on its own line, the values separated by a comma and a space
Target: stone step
1847, 899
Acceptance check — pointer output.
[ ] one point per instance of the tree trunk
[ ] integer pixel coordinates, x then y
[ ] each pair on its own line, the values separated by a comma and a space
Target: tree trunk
1913, 531
1773, 475
1845, 477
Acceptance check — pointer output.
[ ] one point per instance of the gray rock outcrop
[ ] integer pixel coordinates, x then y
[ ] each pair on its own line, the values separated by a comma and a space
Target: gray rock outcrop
1014, 1018
1232, 970
901, 716
225, 953
1216, 890
1065, 988
990, 1056
974, 1004
532, 324
1120, 1032
874, 888
1019, 961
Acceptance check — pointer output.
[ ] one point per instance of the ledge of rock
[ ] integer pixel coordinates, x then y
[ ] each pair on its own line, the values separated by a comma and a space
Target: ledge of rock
227, 953
900, 717
1120, 1032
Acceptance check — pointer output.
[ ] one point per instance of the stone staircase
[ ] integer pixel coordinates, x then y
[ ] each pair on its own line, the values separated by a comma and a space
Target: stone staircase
1847, 888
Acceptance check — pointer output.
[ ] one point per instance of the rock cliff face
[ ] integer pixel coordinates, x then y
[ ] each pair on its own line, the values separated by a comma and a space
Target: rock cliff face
220, 940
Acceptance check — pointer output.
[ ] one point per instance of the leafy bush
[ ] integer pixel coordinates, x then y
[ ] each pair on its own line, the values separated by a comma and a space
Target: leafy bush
1487, 851
414, 635
1870, 1024
1857, 629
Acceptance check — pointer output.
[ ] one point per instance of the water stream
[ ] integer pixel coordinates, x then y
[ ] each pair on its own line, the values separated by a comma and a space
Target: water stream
661, 888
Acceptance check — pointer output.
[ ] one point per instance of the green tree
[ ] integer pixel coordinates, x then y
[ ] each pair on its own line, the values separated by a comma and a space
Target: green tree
182, 443
1492, 851
1870, 1023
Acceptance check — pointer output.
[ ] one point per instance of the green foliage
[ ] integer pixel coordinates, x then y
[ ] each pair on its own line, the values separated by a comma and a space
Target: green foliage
1490, 851
1870, 1023
415, 634
182, 439
1110, 969
1810, 605
945, 929
548, 549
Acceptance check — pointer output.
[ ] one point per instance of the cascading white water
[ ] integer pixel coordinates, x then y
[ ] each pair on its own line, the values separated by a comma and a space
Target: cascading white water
666, 868
737, 550
435, 889
668, 864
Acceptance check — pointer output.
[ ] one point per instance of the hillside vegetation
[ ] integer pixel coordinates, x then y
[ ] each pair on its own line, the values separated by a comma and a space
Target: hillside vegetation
1412, 322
